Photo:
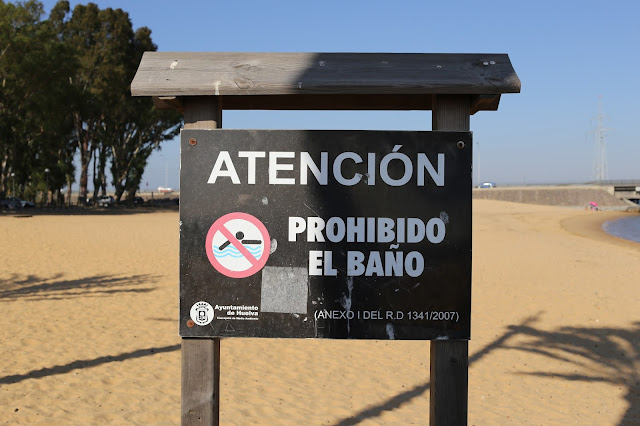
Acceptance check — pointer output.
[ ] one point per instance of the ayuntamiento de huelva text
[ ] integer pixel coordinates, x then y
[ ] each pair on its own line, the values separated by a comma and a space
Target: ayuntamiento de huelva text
371, 230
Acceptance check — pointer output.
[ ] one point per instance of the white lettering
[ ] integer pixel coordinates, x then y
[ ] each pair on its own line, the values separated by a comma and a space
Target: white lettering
315, 225
337, 168
393, 264
370, 229
434, 238
374, 265
315, 263
384, 168
297, 225
371, 168
335, 229
424, 163
251, 163
329, 270
401, 230
419, 264
355, 229
274, 167
306, 163
385, 230
224, 159
355, 266
415, 230
320, 168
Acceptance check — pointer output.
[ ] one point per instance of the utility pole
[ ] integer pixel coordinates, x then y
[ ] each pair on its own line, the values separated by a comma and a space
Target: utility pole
600, 164
477, 163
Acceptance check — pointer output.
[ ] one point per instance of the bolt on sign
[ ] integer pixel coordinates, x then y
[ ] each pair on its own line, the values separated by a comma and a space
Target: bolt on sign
326, 234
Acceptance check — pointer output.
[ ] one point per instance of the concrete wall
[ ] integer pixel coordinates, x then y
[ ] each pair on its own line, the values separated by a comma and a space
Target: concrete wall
552, 195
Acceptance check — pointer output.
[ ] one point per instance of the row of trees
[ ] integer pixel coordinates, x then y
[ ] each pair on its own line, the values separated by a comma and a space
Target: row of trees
64, 92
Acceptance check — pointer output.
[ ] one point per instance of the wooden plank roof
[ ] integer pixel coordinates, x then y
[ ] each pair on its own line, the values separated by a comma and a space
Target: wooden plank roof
325, 80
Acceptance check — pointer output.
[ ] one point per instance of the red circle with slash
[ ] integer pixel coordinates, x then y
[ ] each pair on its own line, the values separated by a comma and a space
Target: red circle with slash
234, 259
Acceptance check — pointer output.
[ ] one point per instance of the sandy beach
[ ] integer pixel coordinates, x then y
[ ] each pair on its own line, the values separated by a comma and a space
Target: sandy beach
89, 333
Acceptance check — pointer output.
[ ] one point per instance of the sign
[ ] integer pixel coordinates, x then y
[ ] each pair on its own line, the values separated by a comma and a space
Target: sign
327, 234
238, 245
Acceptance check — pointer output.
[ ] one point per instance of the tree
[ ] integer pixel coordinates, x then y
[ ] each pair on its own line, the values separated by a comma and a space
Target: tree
138, 128
106, 118
98, 39
65, 87
34, 71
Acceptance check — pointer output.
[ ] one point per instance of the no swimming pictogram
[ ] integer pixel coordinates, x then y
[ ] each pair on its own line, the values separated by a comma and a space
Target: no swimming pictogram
238, 245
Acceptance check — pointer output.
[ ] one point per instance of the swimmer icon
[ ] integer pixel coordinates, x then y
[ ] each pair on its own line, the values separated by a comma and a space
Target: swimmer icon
239, 237
238, 245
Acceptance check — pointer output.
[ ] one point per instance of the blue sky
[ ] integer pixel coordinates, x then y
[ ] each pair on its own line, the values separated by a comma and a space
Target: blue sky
566, 53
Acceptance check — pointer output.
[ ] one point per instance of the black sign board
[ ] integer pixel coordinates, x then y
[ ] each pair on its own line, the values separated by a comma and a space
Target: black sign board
326, 234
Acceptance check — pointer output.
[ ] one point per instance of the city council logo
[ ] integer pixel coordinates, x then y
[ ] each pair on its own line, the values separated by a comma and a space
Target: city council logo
201, 313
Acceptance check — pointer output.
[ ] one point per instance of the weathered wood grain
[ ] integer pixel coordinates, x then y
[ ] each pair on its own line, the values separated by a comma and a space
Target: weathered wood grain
332, 102
451, 113
200, 393
202, 112
168, 102
449, 388
484, 103
328, 102
246, 74
449, 383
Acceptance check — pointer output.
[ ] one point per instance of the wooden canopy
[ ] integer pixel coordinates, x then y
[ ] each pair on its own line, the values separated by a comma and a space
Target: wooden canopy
325, 81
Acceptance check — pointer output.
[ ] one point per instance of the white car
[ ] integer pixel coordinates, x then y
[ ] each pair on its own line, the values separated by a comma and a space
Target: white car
106, 201
487, 185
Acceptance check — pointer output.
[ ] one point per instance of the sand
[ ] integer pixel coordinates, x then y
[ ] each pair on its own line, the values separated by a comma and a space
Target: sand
88, 331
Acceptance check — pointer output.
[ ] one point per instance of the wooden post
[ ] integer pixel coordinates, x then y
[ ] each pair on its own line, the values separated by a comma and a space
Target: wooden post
449, 358
202, 112
200, 393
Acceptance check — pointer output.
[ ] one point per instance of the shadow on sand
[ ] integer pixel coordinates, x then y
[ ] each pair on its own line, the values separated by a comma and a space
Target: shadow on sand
159, 205
606, 355
32, 287
609, 355
80, 364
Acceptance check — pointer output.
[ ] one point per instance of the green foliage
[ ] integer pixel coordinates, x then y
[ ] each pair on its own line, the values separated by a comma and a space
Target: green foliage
65, 90
136, 128
34, 72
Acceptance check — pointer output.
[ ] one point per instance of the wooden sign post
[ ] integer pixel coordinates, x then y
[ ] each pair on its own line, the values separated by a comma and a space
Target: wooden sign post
453, 86
200, 392
449, 358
